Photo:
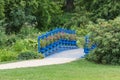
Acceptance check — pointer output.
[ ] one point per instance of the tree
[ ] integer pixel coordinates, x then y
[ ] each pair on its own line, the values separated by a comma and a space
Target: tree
44, 13
29, 11
68, 5
106, 9
18, 13
15, 16
1, 9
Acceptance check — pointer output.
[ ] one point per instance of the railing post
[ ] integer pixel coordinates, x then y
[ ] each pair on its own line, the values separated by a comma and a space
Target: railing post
39, 44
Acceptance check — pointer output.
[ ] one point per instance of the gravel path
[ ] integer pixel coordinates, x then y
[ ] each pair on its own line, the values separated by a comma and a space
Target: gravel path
57, 58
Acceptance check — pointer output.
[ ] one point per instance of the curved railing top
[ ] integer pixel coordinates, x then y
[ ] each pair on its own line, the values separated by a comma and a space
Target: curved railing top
55, 31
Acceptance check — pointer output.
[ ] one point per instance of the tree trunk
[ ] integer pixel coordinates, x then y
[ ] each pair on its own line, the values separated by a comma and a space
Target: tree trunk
68, 5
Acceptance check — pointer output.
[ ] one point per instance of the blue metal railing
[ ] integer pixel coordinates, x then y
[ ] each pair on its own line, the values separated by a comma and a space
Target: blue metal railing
58, 45
87, 49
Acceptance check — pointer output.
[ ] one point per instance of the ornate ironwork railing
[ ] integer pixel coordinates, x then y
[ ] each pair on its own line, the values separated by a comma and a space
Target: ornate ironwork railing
56, 40
88, 48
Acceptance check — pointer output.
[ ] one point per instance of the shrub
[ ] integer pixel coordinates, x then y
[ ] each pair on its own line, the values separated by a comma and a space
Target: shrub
27, 55
80, 42
19, 46
81, 31
3, 37
6, 55
107, 36
25, 44
10, 40
31, 44
28, 31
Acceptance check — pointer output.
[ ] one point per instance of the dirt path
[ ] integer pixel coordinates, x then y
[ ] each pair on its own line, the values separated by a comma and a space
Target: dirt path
58, 58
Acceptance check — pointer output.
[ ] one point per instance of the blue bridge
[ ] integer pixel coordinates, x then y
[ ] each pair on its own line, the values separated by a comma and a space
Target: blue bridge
58, 40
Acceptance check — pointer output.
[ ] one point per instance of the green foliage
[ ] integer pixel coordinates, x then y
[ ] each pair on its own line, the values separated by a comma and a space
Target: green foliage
47, 14
28, 31
25, 41
80, 41
1, 9
25, 44
26, 49
27, 55
15, 16
19, 46
79, 19
107, 9
23, 16
38, 12
107, 36
81, 32
45, 11
6, 55
91, 10
58, 21
3, 37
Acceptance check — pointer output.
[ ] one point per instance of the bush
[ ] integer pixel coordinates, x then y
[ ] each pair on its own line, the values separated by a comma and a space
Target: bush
25, 44
10, 40
3, 37
30, 44
28, 31
6, 55
19, 46
80, 33
107, 36
27, 55
80, 42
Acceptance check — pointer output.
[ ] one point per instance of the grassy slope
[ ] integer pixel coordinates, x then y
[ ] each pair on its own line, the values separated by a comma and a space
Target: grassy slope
78, 70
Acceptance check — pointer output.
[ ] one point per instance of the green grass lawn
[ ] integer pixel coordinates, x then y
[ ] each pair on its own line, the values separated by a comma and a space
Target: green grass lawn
78, 70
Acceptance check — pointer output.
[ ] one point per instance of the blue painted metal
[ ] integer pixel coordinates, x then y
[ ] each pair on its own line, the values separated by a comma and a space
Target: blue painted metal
87, 49
59, 45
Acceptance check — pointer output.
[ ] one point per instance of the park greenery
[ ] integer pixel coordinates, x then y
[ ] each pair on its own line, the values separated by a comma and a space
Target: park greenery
106, 34
22, 21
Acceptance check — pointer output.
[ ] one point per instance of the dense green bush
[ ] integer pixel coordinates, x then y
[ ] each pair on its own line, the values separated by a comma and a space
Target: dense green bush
28, 31
20, 50
3, 37
25, 44
27, 55
12, 45
107, 36
19, 46
10, 40
80, 32
6, 55
31, 44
